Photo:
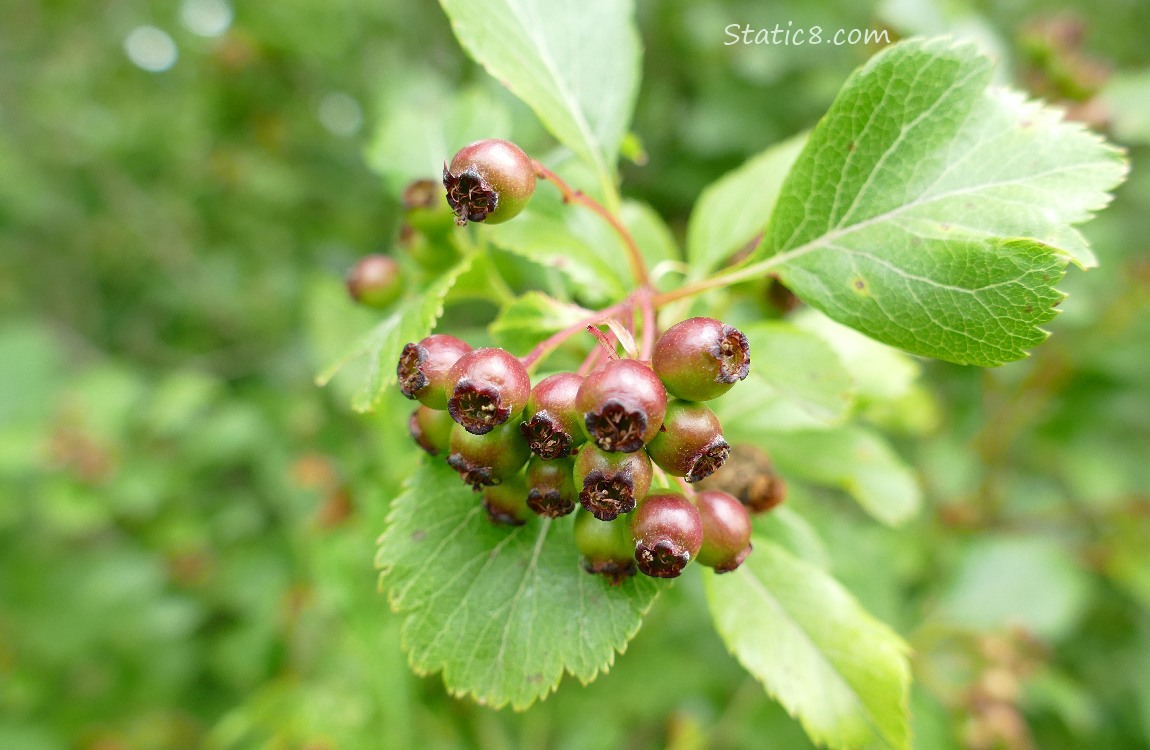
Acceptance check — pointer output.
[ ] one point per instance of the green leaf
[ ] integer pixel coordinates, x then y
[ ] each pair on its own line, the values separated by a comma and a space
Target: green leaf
575, 64
855, 460
530, 319
731, 213
934, 213
878, 371
843, 673
413, 319
502, 613
796, 382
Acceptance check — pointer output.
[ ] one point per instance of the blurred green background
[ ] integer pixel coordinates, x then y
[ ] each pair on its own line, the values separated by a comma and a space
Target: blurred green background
187, 523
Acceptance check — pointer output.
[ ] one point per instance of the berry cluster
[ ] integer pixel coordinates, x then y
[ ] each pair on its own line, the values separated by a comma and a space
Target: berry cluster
594, 442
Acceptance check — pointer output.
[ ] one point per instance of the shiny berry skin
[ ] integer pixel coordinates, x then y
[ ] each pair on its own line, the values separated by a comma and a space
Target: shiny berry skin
551, 486
622, 403
552, 423
726, 531
611, 483
487, 386
431, 429
423, 368
505, 503
484, 460
700, 359
668, 532
489, 181
691, 443
607, 549
375, 281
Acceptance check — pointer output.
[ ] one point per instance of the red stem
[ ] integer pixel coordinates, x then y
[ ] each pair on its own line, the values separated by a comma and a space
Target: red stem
551, 343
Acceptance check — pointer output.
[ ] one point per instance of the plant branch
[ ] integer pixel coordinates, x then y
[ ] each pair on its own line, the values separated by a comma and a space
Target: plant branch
571, 195
551, 343
647, 310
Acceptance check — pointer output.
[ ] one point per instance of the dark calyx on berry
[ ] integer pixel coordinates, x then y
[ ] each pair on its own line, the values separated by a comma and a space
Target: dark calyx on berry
375, 281
691, 443
505, 503
488, 386
726, 531
700, 359
487, 459
668, 533
552, 425
607, 549
611, 483
551, 486
488, 181
622, 403
424, 368
431, 429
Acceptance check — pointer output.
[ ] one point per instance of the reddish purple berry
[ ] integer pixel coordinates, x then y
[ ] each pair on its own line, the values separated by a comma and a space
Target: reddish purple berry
700, 359
487, 459
489, 180
375, 281
505, 502
551, 486
487, 387
431, 429
552, 425
691, 443
668, 532
423, 368
611, 483
622, 403
726, 531
607, 549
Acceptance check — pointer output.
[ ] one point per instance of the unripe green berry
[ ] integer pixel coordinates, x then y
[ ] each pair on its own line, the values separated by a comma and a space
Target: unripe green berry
690, 443
488, 386
552, 425
487, 459
668, 532
607, 548
489, 181
699, 359
424, 367
424, 209
375, 281
611, 483
551, 486
431, 429
726, 531
622, 403
506, 502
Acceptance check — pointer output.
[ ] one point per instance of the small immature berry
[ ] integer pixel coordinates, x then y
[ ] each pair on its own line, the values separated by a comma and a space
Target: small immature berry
505, 502
490, 180
552, 426
668, 532
487, 459
691, 443
551, 486
488, 387
700, 359
375, 281
607, 549
726, 531
622, 403
423, 368
424, 210
431, 429
611, 483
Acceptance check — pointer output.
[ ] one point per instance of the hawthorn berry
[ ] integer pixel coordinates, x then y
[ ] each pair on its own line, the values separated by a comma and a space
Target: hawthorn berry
552, 425
490, 181
607, 549
690, 443
423, 368
622, 403
751, 477
487, 459
611, 483
505, 503
431, 429
699, 359
423, 209
488, 386
375, 281
726, 531
668, 533
551, 486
